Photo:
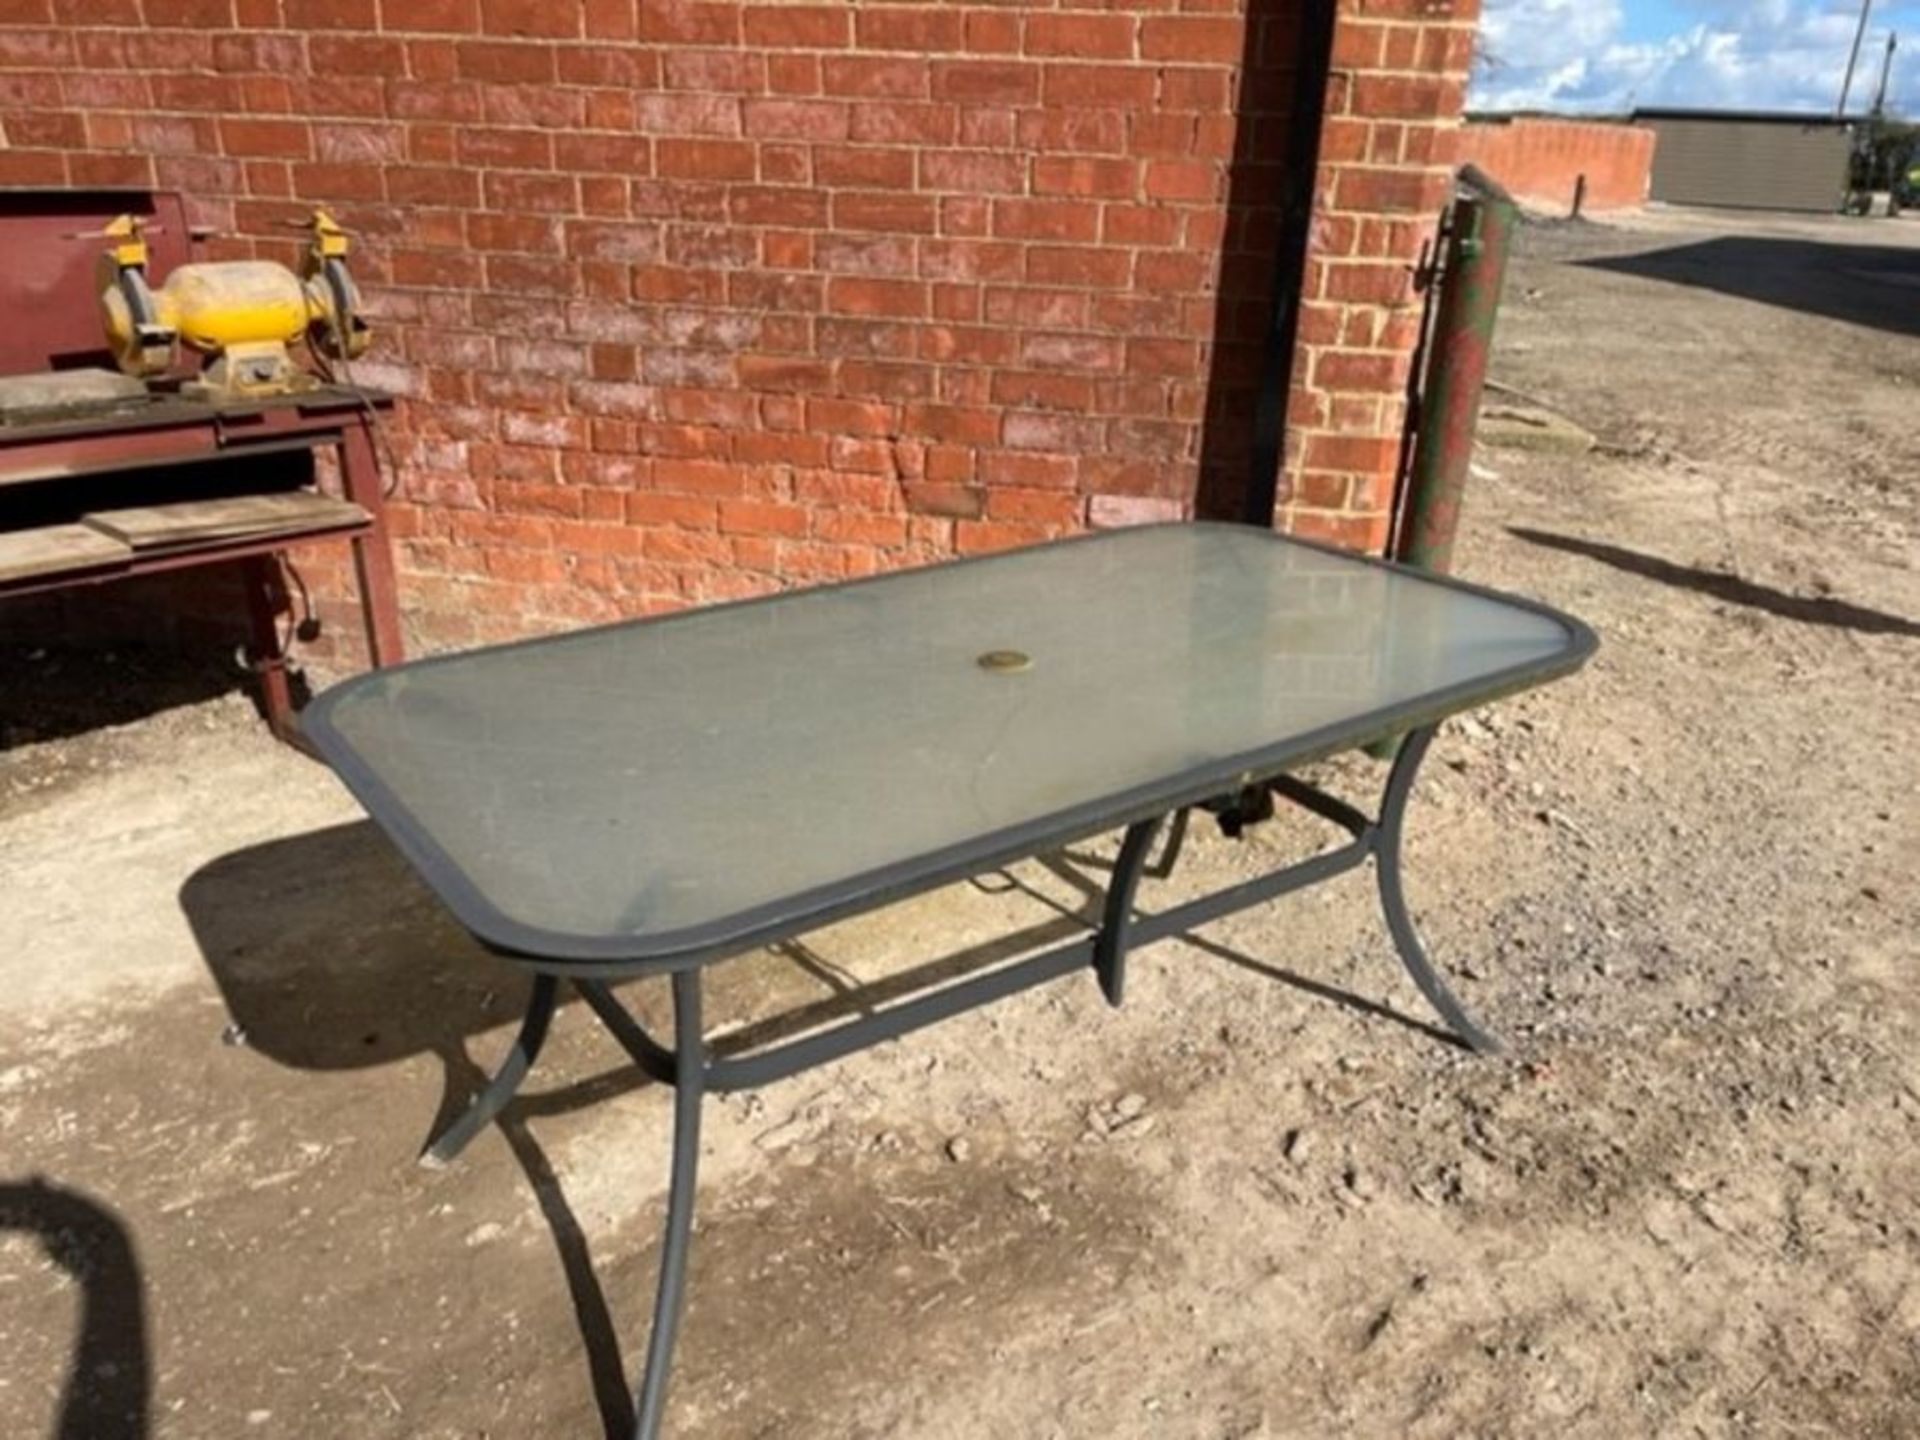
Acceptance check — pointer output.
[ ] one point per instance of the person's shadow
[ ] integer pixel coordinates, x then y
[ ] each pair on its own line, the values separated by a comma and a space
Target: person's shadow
109, 1382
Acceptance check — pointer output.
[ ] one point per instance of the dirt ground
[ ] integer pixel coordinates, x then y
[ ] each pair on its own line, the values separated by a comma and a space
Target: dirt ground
1265, 1198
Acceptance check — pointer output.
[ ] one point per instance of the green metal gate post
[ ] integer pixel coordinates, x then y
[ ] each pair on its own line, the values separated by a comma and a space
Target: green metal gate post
1479, 241
1479, 231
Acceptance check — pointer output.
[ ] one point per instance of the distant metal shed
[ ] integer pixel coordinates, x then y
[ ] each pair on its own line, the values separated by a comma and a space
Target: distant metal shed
1756, 160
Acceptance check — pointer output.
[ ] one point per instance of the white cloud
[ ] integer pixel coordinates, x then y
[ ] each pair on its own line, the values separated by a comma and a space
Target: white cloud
1735, 54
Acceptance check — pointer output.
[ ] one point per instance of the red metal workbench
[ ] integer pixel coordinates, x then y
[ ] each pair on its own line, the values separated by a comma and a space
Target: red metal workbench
165, 435
59, 464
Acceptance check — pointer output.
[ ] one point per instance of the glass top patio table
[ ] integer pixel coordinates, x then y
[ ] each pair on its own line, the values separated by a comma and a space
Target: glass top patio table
667, 790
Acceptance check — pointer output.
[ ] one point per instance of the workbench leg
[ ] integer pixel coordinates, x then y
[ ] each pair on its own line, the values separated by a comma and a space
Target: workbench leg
372, 552
1387, 842
266, 656
505, 1082
690, 1083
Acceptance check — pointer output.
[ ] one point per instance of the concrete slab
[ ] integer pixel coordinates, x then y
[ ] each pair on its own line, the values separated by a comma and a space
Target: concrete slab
1529, 427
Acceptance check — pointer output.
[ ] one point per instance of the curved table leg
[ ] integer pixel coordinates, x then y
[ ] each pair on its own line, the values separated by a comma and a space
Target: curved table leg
506, 1080
1110, 949
1393, 898
690, 1066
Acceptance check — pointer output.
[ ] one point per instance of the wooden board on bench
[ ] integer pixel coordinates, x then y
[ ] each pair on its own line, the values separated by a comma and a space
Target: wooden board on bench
49, 549
192, 522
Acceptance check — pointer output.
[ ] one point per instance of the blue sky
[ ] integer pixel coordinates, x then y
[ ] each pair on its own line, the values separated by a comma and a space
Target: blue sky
1610, 55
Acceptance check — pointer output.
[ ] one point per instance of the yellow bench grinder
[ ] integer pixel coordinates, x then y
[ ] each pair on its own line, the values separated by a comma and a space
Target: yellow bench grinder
242, 314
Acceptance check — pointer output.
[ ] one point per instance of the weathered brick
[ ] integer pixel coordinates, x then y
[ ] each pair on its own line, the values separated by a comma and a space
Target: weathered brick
705, 159
1036, 507
951, 501
1045, 220
1085, 176
1106, 512
1090, 36
875, 78
904, 124
864, 167
922, 29
806, 27
610, 19
1193, 180
1072, 352
990, 82
883, 213
793, 74
849, 295
859, 527
1191, 38
1043, 390
761, 517
718, 71
974, 537
505, 62
1413, 97
685, 22
192, 14
796, 119
346, 55
1073, 131
1060, 434
992, 32
540, 18
1391, 190
1130, 86
1032, 306
286, 139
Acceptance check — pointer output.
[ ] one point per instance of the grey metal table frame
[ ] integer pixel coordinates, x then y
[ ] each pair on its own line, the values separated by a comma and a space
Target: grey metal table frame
692, 1068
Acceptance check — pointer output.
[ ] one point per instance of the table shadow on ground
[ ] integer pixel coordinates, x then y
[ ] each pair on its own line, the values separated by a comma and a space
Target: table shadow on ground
331, 955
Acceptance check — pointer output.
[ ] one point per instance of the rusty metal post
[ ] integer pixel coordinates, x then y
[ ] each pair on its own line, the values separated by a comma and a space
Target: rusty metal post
1479, 240
1478, 235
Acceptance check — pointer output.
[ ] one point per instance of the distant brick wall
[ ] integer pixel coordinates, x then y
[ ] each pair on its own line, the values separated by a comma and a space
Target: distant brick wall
690, 300
1541, 161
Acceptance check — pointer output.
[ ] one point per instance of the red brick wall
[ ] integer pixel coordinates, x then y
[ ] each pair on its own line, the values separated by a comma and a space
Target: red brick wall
690, 300
1541, 161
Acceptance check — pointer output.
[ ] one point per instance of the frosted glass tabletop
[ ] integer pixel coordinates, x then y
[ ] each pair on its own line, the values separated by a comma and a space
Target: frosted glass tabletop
664, 789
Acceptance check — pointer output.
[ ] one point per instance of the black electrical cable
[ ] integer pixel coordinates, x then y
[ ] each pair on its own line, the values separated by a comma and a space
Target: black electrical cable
376, 425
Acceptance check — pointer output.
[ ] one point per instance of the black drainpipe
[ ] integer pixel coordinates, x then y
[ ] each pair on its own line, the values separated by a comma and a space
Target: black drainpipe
1290, 263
